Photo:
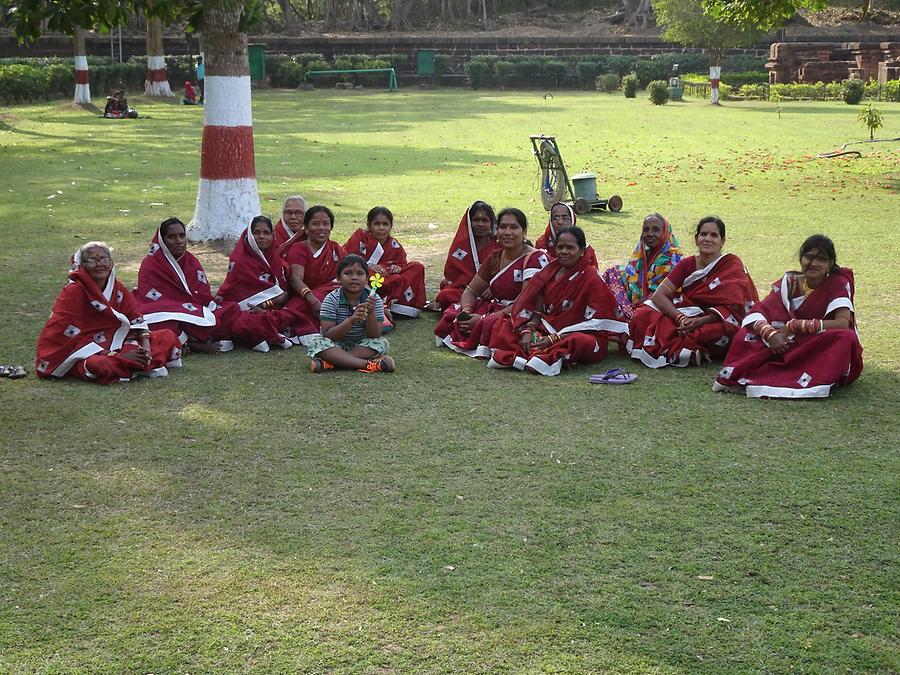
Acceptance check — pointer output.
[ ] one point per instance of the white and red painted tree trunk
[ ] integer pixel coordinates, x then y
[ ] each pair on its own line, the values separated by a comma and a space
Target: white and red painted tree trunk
227, 198
714, 73
82, 76
156, 81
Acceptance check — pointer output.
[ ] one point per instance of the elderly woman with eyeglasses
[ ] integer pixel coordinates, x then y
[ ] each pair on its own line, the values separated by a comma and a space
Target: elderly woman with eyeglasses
95, 331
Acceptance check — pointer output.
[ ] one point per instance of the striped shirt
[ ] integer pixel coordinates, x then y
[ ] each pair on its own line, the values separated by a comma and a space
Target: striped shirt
336, 308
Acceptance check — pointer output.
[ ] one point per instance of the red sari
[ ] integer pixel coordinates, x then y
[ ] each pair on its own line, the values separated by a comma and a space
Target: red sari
463, 261
723, 288
547, 241
505, 286
320, 267
813, 364
254, 277
90, 328
282, 233
404, 292
578, 307
175, 294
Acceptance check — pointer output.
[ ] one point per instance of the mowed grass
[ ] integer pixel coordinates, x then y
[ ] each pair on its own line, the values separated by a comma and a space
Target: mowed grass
245, 515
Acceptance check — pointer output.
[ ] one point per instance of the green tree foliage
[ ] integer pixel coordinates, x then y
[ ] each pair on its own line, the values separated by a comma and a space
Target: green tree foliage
763, 15
871, 118
688, 23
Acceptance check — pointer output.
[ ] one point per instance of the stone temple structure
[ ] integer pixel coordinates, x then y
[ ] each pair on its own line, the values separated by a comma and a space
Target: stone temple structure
812, 62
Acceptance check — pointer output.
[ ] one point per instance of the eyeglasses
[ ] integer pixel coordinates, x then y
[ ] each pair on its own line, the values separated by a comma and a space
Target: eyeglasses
294, 212
96, 261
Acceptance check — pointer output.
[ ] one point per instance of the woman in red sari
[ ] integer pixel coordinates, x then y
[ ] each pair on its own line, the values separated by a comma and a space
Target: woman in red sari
696, 311
489, 295
474, 241
565, 316
174, 293
312, 258
403, 290
561, 216
95, 331
801, 340
291, 221
256, 282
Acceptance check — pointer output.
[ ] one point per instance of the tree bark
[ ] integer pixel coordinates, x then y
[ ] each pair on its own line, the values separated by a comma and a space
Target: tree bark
156, 81
287, 14
82, 76
715, 72
227, 197
330, 14
399, 20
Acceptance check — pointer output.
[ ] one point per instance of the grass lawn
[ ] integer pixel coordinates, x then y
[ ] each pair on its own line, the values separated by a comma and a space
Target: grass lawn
244, 514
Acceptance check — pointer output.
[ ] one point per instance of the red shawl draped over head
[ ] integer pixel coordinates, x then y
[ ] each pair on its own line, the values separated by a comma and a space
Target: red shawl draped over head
547, 241
85, 320
253, 276
813, 364
723, 288
174, 290
320, 267
465, 258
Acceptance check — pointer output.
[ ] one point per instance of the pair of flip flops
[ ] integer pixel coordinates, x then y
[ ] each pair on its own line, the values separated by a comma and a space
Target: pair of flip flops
613, 376
13, 372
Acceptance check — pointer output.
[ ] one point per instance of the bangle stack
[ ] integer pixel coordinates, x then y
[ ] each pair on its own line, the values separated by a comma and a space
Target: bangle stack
268, 304
144, 334
305, 292
554, 338
764, 330
805, 326
680, 319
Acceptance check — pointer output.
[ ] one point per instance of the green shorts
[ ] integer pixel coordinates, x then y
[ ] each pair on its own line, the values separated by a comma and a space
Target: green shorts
320, 344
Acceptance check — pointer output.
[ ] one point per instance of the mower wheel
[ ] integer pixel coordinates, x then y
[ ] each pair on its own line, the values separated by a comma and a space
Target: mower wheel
582, 206
614, 203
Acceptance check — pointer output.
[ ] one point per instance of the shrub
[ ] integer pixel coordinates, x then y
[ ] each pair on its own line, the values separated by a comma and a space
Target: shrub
288, 75
871, 89
620, 65
477, 71
834, 90
397, 60
648, 70
607, 83
890, 91
555, 70
740, 79
587, 72
629, 85
757, 92
506, 72
871, 118
441, 64
744, 62
853, 91
659, 92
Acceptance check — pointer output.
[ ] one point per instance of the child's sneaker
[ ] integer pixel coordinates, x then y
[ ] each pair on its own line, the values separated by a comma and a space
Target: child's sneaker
320, 366
380, 364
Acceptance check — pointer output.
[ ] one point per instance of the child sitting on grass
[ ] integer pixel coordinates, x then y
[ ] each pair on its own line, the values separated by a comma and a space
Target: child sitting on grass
351, 320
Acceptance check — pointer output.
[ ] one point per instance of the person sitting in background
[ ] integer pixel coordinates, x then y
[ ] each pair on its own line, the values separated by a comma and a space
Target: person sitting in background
655, 255
352, 317
489, 295
474, 241
403, 290
256, 282
117, 107
697, 309
190, 96
95, 331
174, 293
291, 220
800, 341
561, 216
566, 315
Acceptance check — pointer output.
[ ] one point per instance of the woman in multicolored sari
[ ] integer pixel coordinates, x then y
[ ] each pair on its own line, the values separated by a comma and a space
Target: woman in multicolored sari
655, 255
403, 290
474, 241
800, 341
488, 297
174, 293
95, 331
256, 282
697, 309
566, 315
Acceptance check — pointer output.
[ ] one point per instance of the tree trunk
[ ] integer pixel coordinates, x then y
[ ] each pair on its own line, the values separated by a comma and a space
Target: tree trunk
287, 14
715, 72
399, 20
227, 198
330, 14
82, 76
484, 14
156, 81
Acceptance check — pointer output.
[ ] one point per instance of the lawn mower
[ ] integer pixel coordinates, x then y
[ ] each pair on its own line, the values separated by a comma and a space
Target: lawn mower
556, 186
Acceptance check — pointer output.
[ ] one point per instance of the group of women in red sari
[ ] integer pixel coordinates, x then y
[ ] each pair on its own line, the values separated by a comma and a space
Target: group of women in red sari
538, 308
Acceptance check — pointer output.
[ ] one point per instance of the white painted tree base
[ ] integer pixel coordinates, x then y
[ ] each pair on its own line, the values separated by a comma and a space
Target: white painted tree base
82, 93
224, 209
157, 88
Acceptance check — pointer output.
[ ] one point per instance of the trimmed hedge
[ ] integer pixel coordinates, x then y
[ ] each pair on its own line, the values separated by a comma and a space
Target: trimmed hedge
659, 92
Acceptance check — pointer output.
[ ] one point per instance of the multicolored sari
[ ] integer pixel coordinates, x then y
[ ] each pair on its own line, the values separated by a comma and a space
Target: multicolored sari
253, 278
89, 329
813, 364
723, 289
176, 295
505, 286
403, 292
463, 262
636, 281
577, 307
